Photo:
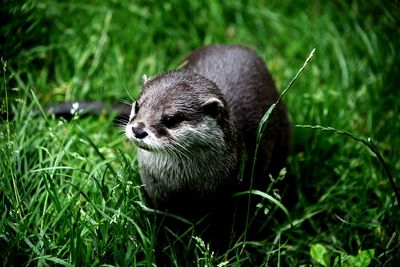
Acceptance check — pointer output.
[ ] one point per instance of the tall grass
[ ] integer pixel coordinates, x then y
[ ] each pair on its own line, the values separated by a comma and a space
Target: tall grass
70, 191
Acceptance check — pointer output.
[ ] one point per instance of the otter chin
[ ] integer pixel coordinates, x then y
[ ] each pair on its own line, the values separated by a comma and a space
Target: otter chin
193, 125
142, 145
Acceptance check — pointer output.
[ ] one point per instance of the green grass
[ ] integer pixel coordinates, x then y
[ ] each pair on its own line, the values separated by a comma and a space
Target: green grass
70, 191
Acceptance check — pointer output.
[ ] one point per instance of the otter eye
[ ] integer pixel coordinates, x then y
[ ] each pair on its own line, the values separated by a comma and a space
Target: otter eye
170, 121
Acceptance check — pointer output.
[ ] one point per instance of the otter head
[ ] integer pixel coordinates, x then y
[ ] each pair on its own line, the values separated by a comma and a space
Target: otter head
186, 137
179, 113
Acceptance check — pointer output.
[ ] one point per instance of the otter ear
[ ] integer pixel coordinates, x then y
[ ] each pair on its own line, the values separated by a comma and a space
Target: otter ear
213, 107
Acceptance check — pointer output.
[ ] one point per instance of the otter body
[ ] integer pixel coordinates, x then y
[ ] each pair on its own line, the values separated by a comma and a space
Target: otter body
190, 124
248, 87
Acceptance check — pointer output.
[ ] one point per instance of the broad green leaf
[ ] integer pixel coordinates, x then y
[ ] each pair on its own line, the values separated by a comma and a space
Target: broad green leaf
317, 253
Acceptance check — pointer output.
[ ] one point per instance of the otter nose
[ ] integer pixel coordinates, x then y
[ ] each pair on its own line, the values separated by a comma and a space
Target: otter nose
139, 132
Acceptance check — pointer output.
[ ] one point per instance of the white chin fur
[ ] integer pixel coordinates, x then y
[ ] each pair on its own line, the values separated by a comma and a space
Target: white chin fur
200, 155
150, 142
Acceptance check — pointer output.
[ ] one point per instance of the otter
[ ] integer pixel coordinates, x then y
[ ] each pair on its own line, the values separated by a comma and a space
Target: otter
193, 125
